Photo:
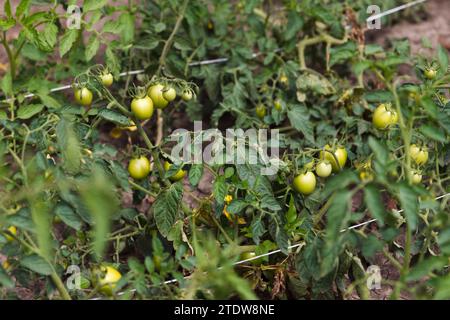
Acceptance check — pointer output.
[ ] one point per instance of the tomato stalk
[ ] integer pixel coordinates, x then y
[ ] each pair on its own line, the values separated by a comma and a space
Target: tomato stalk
323, 37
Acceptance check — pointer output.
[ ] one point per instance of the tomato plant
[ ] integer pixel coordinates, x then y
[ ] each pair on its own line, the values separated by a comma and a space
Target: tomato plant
90, 168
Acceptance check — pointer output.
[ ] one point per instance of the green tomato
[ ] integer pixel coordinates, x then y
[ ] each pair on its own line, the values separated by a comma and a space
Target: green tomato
340, 153
277, 104
430, 73
419, 155
177, 176
142, 108
155, 92
109, 280
107, 79
383, 117
139, 168
169, 94
260, 111
305, 183
83, 96
323, 169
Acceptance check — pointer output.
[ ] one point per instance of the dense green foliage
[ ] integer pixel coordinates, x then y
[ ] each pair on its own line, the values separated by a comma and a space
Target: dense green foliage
303, 67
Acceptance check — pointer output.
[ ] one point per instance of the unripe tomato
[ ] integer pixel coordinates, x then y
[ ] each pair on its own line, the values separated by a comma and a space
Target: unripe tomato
177, 176
422, 157
249, 255
394, 117
139, 168
83, 96
323, 169
133, 126
186, 95
416, 177
109, 280
12, 230
107, 79
305, 183
341, 155
6, 265
366, 175
430, 73
284, 79
260, 111
419, 155
414, 151
169, 94
142, 108
155, 92
277, 104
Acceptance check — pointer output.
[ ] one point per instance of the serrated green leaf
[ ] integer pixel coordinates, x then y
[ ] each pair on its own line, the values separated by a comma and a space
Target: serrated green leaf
442, 56
258, 229
429, 106
42, 221
92, 47
433, 132
100, 198
69, 145
409, 204
236, 206
115, 117
373, 201
90, 5
67, 41
379, 149
7, 8
22, 8
28, 111
299, 118
220, 189
68, 216
5, 280
425, 267
37, 264
195, 174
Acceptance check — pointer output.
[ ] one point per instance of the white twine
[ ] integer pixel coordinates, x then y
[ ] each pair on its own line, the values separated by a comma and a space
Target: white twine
393, 10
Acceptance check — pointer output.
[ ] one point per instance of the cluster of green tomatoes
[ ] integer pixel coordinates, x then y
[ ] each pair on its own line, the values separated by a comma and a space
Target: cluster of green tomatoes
332, 160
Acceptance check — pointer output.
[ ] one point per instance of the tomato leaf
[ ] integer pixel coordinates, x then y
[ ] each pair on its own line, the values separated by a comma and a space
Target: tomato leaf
409, 204
67, 41
37, 264
433, 132
68, 216
166, 207
220, 189
372, 197
115, 117
299, 117
90, 5
28, 111
195, 174
92, 47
